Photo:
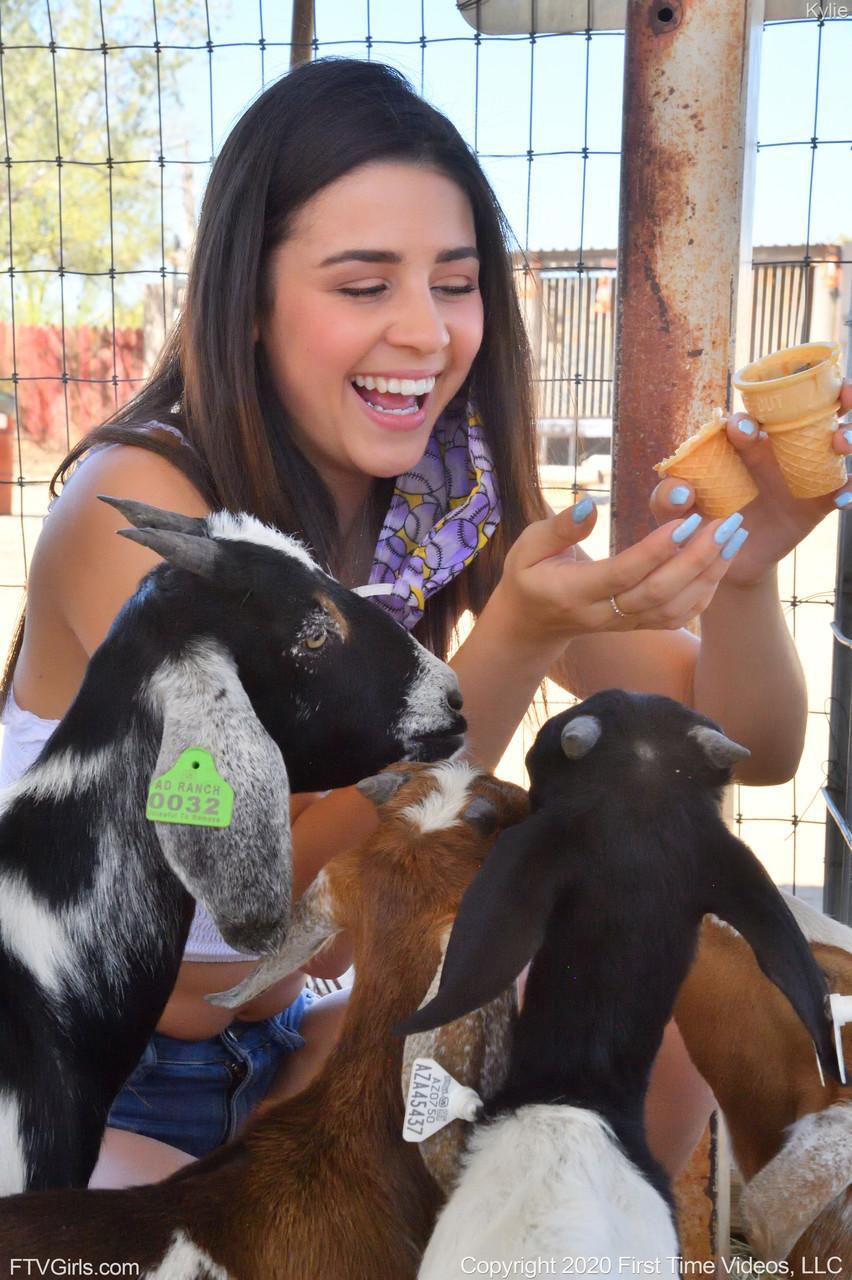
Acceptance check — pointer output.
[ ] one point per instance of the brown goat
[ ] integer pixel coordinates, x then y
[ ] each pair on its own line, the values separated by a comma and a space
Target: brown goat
322, 1186
791, 1135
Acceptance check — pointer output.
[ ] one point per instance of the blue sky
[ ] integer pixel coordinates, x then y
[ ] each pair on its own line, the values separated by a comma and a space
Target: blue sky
553, 96
554, 82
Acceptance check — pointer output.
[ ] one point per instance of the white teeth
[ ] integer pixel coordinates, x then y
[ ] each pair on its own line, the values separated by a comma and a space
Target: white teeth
403, 386
397, 413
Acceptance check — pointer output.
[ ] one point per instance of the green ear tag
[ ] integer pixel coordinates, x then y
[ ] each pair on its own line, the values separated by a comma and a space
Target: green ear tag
191, 793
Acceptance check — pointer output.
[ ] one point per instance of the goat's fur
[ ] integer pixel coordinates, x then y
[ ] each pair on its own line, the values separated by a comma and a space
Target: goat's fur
217, 649
791, 1136
518, 1197
322, 1185
604, 886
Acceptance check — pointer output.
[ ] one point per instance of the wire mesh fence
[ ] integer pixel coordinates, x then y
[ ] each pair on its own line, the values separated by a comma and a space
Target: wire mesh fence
113, 112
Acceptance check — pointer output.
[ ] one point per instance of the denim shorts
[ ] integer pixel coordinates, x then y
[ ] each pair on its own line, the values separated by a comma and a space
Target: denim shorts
197, 1094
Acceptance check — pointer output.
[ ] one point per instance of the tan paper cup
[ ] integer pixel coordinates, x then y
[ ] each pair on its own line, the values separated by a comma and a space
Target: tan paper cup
779, 389
711, 464
805, 454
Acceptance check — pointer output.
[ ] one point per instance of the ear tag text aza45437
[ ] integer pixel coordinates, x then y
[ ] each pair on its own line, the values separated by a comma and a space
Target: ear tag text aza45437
192, 793
434, 1099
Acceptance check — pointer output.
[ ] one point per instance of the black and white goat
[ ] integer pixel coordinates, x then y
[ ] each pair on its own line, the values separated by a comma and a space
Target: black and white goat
605, 885
239, 645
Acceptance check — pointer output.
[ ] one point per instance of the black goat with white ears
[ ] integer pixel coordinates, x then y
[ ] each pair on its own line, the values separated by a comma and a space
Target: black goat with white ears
238, 646
604, 886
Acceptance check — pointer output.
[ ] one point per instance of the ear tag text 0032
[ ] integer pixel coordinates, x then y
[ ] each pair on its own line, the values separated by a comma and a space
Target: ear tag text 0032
192, 793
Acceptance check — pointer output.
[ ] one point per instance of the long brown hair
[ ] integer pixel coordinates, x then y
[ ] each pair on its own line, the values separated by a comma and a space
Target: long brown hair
303, 132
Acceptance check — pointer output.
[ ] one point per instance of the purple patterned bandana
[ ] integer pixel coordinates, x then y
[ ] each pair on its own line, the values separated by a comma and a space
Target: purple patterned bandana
441, 515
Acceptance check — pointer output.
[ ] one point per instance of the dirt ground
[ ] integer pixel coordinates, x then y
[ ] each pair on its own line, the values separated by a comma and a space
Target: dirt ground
793, 853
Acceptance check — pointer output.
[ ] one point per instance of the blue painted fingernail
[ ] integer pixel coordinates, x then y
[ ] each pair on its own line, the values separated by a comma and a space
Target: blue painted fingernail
847, 436
731, 547
686, 527
746, 426
679, 496
582, 510
727, 527
843, 500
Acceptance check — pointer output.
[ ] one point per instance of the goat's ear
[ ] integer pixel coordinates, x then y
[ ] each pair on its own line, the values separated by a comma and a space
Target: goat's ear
501, 920
475, 1051
312, 926
242, 872
143, 516
741, 892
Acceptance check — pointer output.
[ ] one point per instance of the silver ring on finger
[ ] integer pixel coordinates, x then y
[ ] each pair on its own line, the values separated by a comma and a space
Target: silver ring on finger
614, 606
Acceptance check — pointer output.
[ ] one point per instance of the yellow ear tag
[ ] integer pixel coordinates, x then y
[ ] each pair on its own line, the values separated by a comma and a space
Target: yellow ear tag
192, 793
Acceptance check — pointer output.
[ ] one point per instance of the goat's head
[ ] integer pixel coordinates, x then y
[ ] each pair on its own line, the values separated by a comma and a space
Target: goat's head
265, 657
650, 747
397, 893
400, 888
657, 767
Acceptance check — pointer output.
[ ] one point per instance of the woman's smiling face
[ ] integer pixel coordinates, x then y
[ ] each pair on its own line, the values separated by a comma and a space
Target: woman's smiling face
377, 280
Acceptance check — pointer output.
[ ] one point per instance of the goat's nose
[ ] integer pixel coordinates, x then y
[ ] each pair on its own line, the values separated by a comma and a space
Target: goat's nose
455, 699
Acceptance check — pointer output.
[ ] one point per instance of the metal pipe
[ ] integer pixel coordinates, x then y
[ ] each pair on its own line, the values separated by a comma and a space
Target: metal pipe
301, 32
690, 85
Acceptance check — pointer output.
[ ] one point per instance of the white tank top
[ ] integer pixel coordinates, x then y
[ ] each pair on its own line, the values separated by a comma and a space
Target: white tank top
25, 734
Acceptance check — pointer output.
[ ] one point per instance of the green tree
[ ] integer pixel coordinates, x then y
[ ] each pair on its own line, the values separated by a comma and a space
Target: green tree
85, 82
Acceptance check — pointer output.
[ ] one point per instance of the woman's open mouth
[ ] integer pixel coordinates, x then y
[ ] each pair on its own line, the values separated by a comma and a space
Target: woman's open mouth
397, 404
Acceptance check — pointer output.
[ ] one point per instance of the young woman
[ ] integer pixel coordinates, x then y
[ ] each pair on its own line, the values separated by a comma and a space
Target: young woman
351, 366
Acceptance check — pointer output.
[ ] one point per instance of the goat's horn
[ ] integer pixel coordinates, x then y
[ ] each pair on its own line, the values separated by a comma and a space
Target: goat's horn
142, 516
481, 814
381, 787
199, 555
580, 735
719, 750
374, 589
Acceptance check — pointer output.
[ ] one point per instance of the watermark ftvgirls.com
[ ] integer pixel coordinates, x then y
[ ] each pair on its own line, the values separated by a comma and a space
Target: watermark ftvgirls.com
70, 1267
739, 1268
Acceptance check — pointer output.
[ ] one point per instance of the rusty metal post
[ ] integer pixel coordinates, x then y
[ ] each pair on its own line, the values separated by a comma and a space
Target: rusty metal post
690, 84
301, 32
684, 280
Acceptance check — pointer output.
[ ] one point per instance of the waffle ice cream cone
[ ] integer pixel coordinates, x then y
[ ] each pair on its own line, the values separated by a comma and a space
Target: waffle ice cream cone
793, 394
805, 455
711, 464
791, 384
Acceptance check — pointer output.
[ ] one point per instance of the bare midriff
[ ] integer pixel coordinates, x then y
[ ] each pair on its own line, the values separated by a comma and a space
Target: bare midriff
188, 1016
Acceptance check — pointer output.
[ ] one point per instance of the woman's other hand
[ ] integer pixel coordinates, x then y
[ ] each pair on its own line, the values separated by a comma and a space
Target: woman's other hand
777, 522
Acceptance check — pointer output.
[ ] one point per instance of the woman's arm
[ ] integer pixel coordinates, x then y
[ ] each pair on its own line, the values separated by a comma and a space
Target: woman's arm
551, 613
754, 688
82, 572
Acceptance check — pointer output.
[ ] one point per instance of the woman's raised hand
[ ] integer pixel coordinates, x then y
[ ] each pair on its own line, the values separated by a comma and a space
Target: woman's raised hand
776, 520
552, 591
